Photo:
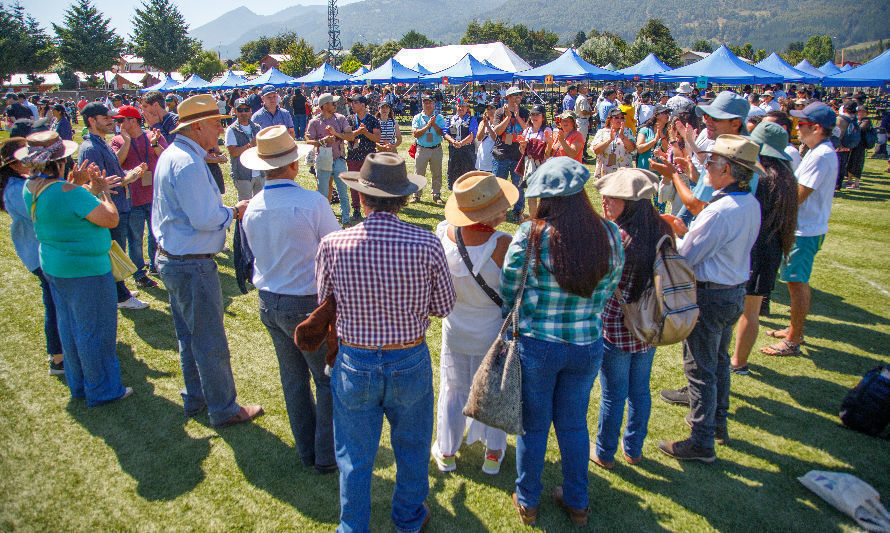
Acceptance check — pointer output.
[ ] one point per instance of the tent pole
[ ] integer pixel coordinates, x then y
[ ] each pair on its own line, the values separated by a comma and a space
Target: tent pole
527, 84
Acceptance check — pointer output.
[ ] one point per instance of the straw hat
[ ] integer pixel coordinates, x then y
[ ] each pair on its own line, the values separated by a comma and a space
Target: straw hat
738, 149
197, 108
479, 196
45, 146
384, 174
275, 148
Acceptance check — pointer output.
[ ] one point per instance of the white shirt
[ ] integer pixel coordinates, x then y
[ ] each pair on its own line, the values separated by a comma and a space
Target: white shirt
284, 224
718, 245
34, 111
231, 140
817, 171
794, 154
772, 105
756, 111
644, 113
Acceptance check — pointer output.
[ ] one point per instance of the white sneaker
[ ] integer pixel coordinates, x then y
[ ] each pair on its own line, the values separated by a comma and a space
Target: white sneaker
132, 303
492, 464
445, 463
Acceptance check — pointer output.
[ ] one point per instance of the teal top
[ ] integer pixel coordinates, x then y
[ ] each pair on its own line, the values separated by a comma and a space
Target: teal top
643, 158
70, 245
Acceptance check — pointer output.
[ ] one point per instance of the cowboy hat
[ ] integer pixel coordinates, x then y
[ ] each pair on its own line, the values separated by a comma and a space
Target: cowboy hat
197, 108
275, 148
45, 146
479, 196
384, 174
738, 149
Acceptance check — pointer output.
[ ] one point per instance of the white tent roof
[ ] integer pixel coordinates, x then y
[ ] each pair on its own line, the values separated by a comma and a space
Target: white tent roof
135, 78
442, 57
21, 80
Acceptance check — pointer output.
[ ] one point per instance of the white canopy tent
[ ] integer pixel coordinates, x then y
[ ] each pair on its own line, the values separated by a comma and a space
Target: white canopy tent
442, 57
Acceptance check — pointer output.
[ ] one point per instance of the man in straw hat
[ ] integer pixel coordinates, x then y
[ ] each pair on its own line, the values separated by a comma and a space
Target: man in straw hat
284, 224
718, 248
387, 277
189, 221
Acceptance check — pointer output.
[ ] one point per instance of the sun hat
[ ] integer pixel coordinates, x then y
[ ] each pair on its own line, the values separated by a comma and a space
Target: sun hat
628, 184
615, 112
725, 105
801, 101
660, 108
685, 88
738, 149
768, 93
128, 111
479, 196
567, 114
45, 146
558, 176
7, 160
94, 109
384, 174
197, 108
513, 90
275, 148
269, 89
819, 113
772, 139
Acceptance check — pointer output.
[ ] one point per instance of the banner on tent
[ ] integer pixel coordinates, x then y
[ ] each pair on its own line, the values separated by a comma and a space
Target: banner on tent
548, 80
444, 80
702, 82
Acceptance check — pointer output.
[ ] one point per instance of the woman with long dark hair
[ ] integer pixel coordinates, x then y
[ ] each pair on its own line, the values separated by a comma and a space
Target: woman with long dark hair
62, 124
627, 361
576, 263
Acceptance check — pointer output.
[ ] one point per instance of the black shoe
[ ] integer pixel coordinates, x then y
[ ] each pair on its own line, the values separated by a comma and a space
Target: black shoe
325, 469
740, 370
685, 450
764, 306
676, 397
56, 369
146, 282
721, 433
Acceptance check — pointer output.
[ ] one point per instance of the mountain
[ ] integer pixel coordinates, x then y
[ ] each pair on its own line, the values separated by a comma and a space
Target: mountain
767, 24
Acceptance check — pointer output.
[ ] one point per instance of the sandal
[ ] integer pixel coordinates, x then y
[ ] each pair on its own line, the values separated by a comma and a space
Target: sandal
780, 334
781, 349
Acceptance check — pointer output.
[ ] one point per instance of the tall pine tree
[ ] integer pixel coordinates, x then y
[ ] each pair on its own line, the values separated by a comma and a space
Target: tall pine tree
160, 36
24, 46
86, 41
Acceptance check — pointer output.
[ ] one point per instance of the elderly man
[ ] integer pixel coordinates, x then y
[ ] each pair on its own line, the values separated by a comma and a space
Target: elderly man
321, 132
718, 248
272, 113
428, 128
157, 116
510, 121
383, 268
284, 224
682, 97
189, 221
240, 137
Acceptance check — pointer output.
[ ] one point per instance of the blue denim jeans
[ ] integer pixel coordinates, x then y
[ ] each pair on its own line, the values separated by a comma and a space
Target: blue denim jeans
324, 177
140, 217
50, 320
706, 360
506, 169
299, 125
366, 385
624, 377
119, 234
556, 382
310, 421
87, 318
197, 309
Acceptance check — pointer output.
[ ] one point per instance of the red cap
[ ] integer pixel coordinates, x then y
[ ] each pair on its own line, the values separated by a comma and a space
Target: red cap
127, 111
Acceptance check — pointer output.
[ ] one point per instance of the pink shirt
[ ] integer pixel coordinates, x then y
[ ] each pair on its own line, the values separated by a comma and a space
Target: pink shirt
140, 151
316, 129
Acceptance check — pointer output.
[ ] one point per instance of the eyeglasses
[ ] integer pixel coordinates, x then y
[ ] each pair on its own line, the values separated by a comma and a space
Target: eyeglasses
243, 110
802, 123
713, 159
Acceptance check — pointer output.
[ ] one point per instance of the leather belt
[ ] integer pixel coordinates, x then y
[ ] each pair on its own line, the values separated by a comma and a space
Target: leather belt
386, 347
712, 285
185, 257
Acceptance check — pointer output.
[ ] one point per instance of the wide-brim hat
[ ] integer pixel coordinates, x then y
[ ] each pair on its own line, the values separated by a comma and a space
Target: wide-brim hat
11, 158
558, 176
479, 196
772, 139
685, 88
628, 184
725, 105
513, 90
384, 174
197, 108
738, 149
45, 141
275, 148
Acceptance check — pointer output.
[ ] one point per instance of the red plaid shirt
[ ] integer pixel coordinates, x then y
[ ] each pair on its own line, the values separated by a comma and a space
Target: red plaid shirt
613, 317
387, 277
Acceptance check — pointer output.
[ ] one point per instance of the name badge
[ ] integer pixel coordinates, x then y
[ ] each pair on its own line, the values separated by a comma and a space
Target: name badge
429, 138
147, 178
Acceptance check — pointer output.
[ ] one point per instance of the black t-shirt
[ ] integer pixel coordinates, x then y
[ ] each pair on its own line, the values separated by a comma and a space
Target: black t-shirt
17, 111
503, 151
298, 103
362, 146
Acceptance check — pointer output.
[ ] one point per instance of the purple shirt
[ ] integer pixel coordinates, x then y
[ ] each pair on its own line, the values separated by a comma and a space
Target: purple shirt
316, 129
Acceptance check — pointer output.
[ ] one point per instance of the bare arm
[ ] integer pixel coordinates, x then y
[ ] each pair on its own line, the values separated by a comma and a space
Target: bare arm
802, 193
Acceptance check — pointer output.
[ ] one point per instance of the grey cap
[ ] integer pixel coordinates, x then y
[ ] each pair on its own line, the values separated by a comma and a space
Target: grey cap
772, 139
726, 105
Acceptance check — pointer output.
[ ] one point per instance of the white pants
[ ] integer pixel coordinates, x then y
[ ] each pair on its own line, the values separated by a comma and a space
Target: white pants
456, 371
247, 189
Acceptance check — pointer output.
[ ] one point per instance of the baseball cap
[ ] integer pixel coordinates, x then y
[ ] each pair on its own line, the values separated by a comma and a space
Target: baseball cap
817, 112
325, 98
726, 105
128, 111
268, 89
359, 98
94, 109
241, 102
426, 96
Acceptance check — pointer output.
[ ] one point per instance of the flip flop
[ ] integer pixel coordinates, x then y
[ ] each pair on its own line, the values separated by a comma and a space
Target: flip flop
781, 349
781, 334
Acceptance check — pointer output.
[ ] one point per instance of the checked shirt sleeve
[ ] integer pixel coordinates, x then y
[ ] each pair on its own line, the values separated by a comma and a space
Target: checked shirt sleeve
442, 296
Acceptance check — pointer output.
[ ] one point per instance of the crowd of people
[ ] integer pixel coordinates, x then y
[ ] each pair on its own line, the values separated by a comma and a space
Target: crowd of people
748, 193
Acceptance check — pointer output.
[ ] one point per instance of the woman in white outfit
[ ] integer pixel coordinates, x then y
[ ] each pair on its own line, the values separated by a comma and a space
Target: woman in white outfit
478, 205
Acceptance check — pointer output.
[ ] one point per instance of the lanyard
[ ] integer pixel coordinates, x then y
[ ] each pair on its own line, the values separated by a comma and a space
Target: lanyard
147, 148
278, 186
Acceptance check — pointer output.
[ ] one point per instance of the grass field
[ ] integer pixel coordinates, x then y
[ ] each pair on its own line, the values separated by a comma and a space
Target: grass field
141, 465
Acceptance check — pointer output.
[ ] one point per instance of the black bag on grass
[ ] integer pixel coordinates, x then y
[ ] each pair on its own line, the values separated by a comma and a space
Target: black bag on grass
866, 407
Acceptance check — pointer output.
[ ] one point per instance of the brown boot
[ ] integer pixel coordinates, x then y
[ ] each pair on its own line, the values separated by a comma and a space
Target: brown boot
578, 516
528, 515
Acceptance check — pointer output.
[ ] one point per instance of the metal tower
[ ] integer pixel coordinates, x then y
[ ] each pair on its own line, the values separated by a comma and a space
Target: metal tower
334, 44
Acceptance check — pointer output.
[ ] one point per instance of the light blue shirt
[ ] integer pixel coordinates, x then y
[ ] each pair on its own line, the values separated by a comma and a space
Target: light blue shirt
284, 224
431, 138
22, 227
603, 109
187, 214
264, 119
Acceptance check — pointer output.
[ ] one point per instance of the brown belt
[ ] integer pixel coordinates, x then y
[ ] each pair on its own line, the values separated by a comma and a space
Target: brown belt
185, 257
386, 347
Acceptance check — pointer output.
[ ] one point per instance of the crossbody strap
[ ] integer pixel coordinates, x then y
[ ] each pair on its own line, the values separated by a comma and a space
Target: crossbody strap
486, 288
512, 319
36, 192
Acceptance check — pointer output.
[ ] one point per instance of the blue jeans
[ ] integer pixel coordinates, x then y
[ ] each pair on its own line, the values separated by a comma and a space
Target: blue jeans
556, 382
310, 421
299, 125
706, 360
140, 216
506, 169
323, 177
50, 320
87, 317
119, 234
366, 385
196, 305
624, 377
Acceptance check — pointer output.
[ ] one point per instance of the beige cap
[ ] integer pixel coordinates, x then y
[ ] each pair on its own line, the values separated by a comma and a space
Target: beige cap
628, 184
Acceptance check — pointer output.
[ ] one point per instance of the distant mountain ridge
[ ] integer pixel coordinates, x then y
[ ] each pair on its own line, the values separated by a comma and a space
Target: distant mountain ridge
768, 24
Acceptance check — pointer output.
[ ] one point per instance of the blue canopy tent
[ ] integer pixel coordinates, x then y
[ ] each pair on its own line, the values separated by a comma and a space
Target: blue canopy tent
470, 69
422, 69
569, 66
846, 66
829, 69
807, 68
273, 77
722, 66
875, 73
390, 72
645, 69
194, 83
229, 80
323, 75
776, 64
164, 85
361, 70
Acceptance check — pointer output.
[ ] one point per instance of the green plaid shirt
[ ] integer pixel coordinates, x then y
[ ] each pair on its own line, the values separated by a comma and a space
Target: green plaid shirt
547, 312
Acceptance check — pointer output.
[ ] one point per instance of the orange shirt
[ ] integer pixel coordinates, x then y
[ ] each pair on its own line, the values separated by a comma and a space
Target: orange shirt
574, 138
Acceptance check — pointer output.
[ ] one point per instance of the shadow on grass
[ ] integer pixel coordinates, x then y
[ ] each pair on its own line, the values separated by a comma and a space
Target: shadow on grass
154, 326
147, 434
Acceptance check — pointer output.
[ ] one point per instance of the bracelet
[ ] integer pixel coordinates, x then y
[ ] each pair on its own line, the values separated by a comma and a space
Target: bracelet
235, 214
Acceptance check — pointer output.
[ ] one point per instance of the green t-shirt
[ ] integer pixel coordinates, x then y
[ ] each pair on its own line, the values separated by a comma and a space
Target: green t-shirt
70, 245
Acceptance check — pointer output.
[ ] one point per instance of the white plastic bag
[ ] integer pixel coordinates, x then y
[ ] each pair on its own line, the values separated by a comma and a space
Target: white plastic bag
324, 159
851, 495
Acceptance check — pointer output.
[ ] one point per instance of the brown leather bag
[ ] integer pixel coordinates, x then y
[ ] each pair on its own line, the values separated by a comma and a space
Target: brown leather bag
318, 328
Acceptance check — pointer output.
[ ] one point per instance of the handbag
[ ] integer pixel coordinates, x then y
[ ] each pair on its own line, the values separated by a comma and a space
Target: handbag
412, 151
324, 159
496, 392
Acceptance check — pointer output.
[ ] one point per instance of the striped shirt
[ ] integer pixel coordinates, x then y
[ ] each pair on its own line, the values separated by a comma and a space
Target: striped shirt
388, 130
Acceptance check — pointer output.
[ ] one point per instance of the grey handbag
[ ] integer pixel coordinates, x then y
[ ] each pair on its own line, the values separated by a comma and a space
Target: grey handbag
496, 393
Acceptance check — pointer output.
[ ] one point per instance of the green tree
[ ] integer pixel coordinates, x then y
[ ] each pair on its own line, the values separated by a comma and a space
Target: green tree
600, 50
25, 47
665, 46
205, 64
160, 35
760, 55
413, 39
253, 51
362, 52
746, 51
579, 39
350, 65
86, 40
302, 59
384, 52
249, 68
703, 45
66, 74
819, 49
793, 54
638, 50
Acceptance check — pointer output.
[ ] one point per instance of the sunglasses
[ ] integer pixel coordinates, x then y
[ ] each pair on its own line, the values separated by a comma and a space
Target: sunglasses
802, 123
243, 110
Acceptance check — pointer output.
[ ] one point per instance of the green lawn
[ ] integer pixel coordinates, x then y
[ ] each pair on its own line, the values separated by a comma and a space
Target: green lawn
141, 465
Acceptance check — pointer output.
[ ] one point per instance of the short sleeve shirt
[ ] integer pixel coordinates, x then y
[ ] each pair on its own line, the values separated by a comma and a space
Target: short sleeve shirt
432, 138
817, 171
264, 119
362, 146
504, 151
140, 152
315, 130
616, 155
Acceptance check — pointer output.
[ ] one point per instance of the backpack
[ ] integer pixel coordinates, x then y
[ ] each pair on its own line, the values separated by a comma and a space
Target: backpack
866, 407
852, 135
667, 311
871, 138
